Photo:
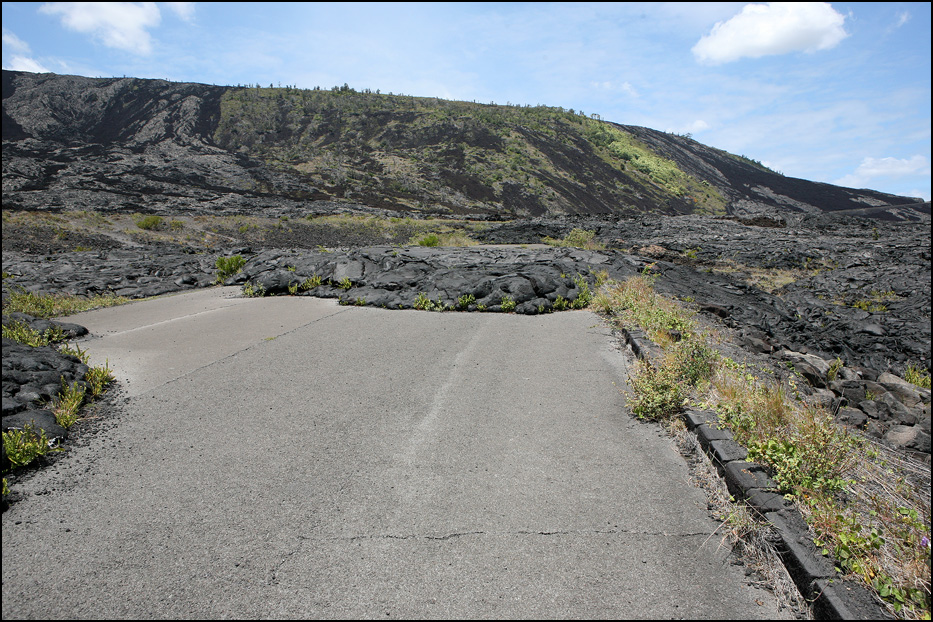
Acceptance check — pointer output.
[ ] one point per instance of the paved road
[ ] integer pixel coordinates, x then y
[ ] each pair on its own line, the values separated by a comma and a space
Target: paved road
288, 457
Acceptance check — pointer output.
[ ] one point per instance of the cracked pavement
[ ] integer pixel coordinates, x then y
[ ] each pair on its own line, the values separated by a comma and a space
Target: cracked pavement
289, 457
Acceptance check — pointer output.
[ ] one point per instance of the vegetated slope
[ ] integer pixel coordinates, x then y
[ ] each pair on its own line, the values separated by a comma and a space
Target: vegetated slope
154, 146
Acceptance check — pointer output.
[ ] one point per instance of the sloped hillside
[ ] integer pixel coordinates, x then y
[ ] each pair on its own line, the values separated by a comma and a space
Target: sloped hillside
154, 146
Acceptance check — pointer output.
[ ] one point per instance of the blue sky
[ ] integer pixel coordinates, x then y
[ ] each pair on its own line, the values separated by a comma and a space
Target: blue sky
831, 92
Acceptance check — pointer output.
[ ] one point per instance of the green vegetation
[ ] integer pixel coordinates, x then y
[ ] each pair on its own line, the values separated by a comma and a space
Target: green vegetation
253, 290
423, 303
229, 266
431, 155
577, 238
150, 223
56, 305
22, 333
865, 502
24, 446
464, 302
917, 376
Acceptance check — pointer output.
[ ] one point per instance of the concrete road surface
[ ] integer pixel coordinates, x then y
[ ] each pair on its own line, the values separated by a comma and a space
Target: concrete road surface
288, 457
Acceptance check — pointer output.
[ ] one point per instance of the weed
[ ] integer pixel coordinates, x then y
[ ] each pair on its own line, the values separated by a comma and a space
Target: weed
228, 266
917, 376
253, 291
56, 305
577, 238
507, 303
657, 391
311, 282
150, 223
429, 240
464, 302
345, 283
423, 303
98, 378
22, 333
584, 295
24, 446
834, 368
68, 404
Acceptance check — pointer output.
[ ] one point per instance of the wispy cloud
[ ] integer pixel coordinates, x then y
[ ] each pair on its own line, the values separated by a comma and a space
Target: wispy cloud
771, 29
873, 168
184, 10
120, 25
19, 54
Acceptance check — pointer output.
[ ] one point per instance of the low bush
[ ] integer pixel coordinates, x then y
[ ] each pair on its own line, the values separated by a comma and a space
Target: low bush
228, 266
150, 223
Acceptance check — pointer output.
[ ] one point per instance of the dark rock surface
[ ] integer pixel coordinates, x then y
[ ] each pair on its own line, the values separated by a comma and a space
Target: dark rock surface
800, 295
158, 147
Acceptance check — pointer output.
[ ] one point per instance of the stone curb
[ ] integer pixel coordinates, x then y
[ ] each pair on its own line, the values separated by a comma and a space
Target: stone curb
830, 595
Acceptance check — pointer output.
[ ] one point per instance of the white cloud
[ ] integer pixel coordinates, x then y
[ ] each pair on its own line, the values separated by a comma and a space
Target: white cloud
773, 28
14, 43
23, 63
625, 87
120, 25
184, 10
872, 168
20, 50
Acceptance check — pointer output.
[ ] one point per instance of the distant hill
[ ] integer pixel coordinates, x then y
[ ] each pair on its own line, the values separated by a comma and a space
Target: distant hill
124, 144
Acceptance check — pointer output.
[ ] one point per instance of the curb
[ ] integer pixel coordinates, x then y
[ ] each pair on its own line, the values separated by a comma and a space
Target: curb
831, 596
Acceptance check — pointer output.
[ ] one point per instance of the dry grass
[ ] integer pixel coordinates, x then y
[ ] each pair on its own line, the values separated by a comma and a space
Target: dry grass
868, 507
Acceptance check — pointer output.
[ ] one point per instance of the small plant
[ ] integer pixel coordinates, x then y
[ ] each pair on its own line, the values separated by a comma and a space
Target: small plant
577, 238
345, 283
68, 404
24, 446
658, 393
423, 303
507, 303
311, 282
691, 253
464, 302
834, 368
430, 239
917, 376
253, 291
151, 223
22, 333
584, 295
98, 378
228, 266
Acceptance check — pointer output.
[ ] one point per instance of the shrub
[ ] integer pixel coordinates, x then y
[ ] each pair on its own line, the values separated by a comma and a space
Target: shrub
228, 266
429, 240
917, 376
577, 238
657, 392
151, 223
24, 446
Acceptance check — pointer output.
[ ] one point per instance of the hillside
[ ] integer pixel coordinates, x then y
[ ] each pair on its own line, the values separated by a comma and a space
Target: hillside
126, 144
